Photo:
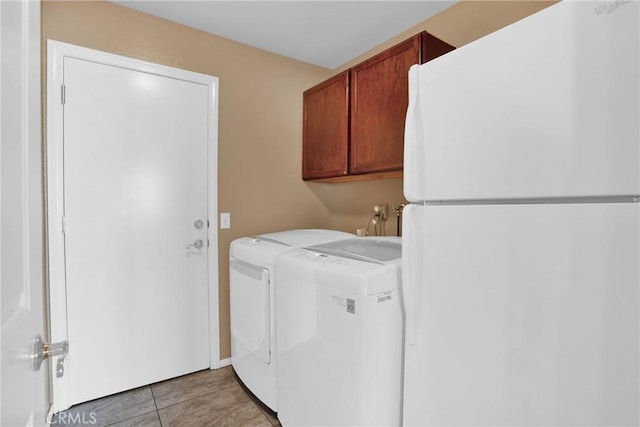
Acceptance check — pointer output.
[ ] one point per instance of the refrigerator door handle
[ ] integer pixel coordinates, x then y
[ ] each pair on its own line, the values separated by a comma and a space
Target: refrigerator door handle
410, 239
413, 156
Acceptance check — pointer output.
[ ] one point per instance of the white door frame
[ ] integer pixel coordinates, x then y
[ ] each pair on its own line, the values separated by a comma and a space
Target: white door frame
56, 52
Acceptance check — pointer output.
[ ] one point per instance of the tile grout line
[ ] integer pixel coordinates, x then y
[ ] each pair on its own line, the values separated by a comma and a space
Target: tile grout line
138, 415
197, 397
130, 418
155, 404
228, 375
153, 396
200, 396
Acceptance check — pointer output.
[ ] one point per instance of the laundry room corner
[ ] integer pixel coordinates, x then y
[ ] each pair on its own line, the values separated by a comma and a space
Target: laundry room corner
252, 141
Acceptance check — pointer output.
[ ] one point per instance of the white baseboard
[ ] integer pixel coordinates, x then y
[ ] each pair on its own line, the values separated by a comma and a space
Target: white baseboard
225, 362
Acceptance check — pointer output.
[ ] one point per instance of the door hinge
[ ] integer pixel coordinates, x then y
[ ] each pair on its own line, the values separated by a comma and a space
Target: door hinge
64, 225
63, 94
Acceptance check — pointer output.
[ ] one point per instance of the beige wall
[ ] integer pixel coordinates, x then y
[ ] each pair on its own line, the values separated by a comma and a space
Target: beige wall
260, 114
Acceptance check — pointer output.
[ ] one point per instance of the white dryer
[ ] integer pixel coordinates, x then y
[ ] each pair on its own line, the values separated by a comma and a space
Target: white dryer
251, 265
339, 333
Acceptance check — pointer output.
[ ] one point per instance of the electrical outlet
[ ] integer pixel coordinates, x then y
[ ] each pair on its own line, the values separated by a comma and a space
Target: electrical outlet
381, 211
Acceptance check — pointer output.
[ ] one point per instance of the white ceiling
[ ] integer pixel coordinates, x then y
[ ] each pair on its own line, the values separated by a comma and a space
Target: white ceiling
326, 33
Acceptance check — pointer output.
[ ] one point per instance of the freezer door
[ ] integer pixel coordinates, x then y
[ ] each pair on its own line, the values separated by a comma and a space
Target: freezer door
546, 107
521, 315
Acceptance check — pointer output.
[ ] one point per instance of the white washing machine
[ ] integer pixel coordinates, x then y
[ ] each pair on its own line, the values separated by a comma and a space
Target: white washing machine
251, 262
340, 333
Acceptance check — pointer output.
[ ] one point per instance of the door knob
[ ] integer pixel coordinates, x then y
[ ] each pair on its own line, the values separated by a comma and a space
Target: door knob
198, 244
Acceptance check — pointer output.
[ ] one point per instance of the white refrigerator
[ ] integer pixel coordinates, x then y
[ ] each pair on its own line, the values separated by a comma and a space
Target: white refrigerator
521, 245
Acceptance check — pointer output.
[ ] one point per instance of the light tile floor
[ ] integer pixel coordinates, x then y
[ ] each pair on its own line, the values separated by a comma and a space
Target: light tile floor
204, 398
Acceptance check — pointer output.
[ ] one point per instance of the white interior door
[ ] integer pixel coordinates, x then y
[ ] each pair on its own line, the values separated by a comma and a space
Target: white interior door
522, 315
23, 401
135, 227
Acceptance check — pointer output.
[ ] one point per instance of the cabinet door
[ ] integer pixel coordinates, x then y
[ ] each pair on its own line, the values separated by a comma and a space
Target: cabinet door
326, 129
379, 99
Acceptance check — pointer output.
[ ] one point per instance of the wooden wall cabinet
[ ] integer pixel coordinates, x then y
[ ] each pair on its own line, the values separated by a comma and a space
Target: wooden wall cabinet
325, 135
372, 100
379, 99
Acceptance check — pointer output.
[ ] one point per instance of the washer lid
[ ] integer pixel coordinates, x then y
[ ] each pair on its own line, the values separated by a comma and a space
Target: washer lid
297, 238
366, 249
